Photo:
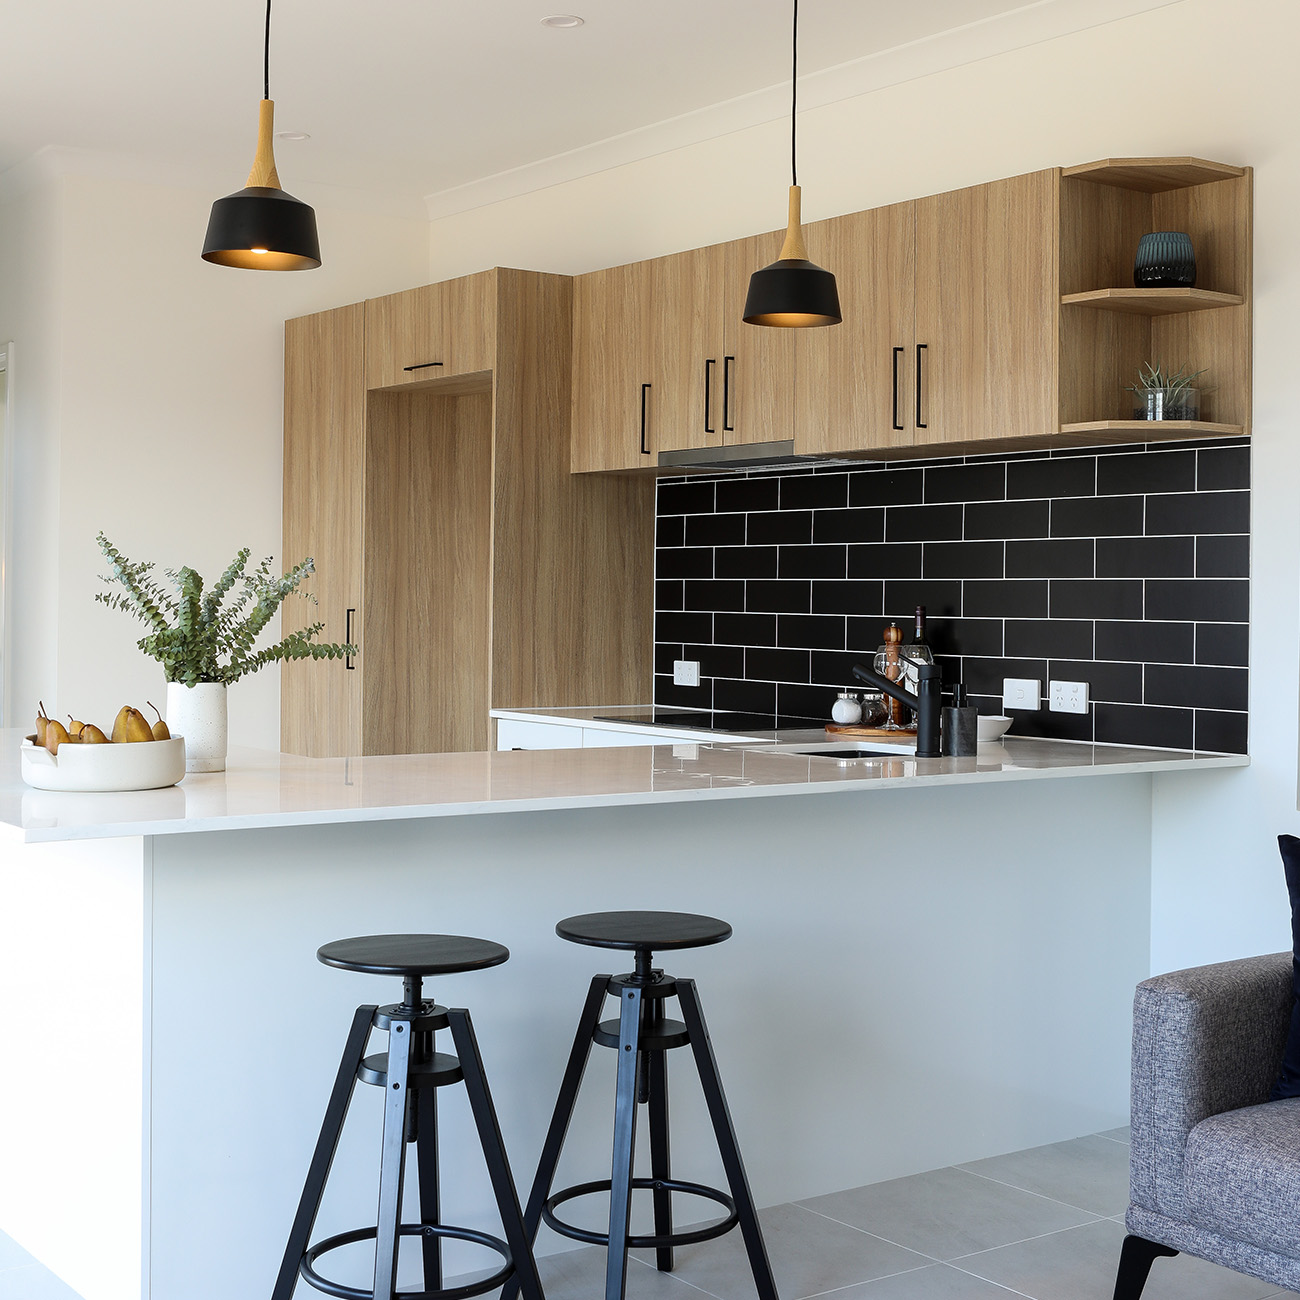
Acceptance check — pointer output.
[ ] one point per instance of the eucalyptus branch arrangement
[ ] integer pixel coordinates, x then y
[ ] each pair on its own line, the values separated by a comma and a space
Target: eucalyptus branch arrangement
200, 636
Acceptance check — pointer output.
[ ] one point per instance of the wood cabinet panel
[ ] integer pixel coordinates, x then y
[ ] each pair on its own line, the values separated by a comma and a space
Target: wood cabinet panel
612, 359
854, 386
324, 440
686, 349
428, 333
758, 376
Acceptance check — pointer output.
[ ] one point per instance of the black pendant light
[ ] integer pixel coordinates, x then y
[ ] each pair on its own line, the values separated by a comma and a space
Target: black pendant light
793, 292
261, 228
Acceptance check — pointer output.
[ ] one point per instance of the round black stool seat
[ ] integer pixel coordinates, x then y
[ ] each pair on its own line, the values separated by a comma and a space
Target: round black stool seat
643, 931
412, 954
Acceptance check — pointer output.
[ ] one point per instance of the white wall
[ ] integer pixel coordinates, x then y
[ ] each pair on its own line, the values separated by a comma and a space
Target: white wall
1213, 78
150, 407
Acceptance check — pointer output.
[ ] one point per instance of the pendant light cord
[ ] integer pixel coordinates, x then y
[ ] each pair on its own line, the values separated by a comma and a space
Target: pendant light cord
266, 55
794, 89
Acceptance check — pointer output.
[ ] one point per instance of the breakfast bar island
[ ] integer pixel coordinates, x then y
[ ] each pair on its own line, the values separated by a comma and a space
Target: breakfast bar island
933, 961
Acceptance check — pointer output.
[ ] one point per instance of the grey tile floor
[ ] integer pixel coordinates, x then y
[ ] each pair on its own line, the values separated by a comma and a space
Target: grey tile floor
1044, 1224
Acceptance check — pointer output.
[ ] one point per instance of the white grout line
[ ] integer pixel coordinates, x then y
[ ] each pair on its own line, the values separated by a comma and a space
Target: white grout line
1068, 1204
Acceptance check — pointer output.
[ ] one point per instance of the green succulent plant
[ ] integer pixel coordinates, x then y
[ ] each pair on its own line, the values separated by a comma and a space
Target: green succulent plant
193, 636
1157, 376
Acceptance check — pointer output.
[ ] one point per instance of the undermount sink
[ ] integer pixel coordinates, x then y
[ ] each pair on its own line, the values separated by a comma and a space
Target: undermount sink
847, 751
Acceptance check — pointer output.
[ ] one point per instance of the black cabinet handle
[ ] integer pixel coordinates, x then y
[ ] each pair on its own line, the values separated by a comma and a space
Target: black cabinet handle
424, 365
708, 392
727, 426
895, 424
645, 388
347, 637
920, 347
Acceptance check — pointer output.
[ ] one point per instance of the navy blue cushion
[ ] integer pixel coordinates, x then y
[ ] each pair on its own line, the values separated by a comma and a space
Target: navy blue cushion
1288, 1079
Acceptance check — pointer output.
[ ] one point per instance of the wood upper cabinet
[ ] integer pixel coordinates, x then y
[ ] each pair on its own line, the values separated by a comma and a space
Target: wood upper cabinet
758, 362
324, 467
614, 389
987, 310
685, 341
855, 387
430, 332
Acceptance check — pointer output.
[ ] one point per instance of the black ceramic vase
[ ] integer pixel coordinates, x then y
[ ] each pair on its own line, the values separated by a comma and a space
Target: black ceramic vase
1165, 261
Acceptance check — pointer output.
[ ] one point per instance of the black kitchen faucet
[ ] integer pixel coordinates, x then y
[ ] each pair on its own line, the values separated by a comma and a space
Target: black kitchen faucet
927, 702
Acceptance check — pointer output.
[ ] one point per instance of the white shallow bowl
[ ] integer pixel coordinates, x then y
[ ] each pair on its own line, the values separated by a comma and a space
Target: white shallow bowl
144, 765
992, 728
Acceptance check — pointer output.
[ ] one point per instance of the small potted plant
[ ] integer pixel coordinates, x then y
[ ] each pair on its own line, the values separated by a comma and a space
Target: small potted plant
1162, 394
204, 641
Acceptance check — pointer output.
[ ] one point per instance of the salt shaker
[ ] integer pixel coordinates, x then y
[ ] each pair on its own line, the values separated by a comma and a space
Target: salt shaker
846, 710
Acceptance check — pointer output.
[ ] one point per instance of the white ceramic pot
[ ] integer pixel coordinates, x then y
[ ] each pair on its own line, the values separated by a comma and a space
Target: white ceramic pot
199, 714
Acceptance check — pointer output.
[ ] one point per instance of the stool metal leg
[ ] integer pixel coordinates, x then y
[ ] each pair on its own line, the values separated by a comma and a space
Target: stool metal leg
393, 1162
323, 1156
625, 1108
426, 1154
660, 1169
723, 1128
494, 1152
564, 1104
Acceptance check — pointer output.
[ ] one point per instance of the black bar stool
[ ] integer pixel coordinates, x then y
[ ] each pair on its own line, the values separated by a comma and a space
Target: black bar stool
643, 1036
410, 1073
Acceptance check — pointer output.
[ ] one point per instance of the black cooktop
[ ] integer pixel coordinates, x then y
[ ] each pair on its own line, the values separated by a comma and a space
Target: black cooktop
698, 720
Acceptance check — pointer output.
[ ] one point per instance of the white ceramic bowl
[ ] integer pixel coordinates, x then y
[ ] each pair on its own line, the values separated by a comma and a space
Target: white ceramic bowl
992, 728
144, 765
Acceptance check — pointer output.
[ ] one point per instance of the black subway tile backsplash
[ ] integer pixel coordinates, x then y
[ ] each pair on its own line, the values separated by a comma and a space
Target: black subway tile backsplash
1127, 568
1223, 557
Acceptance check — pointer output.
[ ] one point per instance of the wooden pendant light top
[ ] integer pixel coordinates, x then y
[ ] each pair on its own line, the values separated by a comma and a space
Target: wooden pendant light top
263, 173
793, 248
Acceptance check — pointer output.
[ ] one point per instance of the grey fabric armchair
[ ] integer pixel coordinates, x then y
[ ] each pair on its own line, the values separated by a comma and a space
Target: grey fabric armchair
1215, 1166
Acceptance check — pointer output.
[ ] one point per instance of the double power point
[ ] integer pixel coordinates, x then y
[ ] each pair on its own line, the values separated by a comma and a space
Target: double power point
1025, 694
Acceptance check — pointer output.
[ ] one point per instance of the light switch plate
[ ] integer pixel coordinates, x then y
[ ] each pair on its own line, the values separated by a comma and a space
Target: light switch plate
686, 672
1021, 693
1067, 697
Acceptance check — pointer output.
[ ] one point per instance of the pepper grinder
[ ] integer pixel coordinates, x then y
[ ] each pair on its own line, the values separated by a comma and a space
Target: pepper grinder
960, 726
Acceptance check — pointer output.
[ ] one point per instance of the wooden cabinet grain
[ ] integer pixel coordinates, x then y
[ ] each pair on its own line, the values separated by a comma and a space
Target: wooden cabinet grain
482, 572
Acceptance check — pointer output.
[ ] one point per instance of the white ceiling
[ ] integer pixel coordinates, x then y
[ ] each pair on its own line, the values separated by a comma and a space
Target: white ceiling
418, 97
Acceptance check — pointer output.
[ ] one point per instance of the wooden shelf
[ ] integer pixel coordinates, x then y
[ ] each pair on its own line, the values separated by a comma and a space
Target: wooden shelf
1153, 175
1156, 430
1152, 302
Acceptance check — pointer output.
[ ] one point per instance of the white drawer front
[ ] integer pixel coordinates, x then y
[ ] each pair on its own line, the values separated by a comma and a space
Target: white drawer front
512, 734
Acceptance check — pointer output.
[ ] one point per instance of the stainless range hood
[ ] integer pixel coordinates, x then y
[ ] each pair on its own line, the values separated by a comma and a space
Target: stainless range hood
746, 455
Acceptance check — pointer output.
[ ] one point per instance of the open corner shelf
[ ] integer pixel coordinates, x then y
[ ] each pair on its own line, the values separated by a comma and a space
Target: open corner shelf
1155, 430
1152, 302
1153, 175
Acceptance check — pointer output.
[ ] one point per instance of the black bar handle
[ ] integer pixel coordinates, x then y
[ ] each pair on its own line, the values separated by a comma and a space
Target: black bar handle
727, 426
895, 423
347, 637
645, 388
920, 347
708, 392
424, 365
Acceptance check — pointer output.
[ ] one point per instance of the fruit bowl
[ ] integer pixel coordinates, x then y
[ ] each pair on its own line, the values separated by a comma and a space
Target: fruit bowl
145, 765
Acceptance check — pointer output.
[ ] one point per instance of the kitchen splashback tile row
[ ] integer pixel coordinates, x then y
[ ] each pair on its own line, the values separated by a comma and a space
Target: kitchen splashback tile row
1125, 567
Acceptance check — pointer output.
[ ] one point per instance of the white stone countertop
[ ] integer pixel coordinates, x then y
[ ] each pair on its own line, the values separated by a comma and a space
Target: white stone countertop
261, 789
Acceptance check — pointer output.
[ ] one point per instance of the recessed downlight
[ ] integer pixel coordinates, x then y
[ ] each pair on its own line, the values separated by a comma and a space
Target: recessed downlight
563, 20
292, 135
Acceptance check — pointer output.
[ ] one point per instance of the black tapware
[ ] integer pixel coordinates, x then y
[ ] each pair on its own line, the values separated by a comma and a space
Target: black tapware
927, 702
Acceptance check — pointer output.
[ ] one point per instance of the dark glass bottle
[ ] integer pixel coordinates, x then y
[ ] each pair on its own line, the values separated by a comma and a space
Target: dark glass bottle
916, 653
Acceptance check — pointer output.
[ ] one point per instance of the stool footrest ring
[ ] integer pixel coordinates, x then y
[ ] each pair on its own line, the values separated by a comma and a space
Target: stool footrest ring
687, 1238
310, 1276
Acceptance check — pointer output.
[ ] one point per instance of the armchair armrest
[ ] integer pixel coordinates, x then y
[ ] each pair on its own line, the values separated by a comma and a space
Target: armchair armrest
1205, 1041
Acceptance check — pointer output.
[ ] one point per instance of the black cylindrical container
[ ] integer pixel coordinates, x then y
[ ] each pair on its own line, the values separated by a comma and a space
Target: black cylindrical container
960, 726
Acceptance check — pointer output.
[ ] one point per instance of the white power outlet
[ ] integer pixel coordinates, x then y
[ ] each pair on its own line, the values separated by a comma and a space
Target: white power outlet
686, 672
1067, 697
1021, 693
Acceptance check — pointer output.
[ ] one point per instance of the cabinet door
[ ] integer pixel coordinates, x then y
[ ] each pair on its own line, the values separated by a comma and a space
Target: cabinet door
435, 330
324, 451
854, 386
987, 311
613, 388
685, 329
758, 360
